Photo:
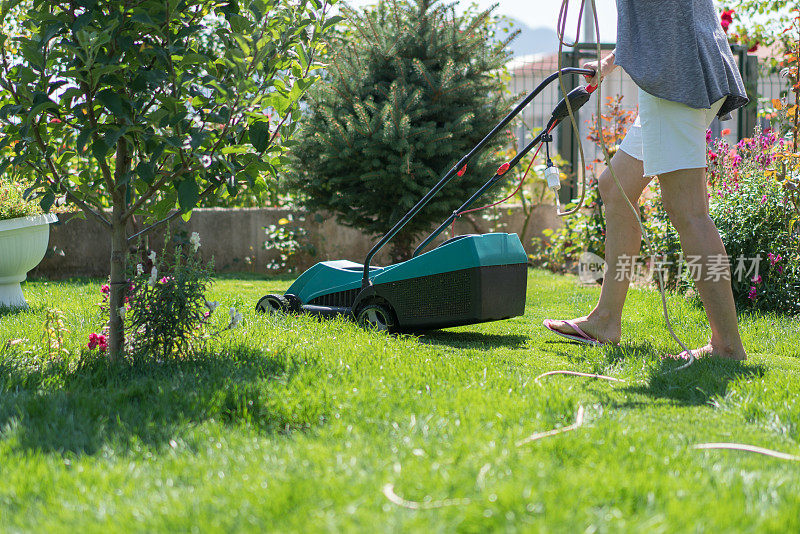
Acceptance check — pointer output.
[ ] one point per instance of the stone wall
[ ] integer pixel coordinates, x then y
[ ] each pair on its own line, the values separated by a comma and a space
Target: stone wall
235, 239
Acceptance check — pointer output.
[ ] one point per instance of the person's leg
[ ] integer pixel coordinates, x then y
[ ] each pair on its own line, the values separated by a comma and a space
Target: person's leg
623, 242
685, 197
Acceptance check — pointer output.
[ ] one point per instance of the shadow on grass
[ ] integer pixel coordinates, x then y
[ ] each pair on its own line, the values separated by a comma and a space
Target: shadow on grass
12, 310
82, 408
473, 340
698, 384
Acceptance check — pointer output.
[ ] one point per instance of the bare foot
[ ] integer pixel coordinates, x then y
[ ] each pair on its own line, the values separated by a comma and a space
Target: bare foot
709, 351
593, 327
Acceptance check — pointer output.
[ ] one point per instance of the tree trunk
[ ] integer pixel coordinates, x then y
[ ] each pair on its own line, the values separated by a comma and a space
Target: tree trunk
119, 255
119, 246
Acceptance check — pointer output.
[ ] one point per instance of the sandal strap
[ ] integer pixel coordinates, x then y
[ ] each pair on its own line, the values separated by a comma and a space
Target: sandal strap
579, 331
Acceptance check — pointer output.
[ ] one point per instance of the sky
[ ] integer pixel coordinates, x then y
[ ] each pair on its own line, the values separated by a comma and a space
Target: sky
544, 13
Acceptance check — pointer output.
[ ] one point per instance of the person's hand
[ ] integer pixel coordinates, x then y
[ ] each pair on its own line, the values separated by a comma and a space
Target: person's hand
606, 67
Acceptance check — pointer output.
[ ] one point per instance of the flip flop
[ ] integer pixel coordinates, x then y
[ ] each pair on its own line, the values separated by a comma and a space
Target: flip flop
582, 336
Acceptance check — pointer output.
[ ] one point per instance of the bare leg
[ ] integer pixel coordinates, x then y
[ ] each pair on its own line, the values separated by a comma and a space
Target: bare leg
623, 238
685, 197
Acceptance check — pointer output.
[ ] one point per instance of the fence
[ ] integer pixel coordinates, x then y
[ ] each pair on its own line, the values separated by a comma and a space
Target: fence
528, 71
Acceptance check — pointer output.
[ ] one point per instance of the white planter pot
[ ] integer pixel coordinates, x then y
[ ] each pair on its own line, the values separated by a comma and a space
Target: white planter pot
23, 243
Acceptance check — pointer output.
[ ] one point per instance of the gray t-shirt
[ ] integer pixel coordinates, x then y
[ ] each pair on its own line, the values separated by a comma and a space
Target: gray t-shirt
678, 51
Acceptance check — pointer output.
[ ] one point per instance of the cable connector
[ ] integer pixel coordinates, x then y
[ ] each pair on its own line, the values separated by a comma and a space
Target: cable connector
553, 177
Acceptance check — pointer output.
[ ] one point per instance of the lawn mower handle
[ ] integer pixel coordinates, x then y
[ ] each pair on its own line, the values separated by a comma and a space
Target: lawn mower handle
461, 163
577, 98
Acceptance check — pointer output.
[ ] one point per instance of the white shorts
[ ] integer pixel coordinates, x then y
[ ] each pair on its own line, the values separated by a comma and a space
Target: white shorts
667, 135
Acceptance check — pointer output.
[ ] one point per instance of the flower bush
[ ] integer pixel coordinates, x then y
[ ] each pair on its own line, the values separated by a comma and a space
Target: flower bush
165, 305
756, 209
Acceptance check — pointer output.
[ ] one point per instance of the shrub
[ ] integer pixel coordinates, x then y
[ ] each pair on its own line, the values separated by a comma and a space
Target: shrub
167, 304
409, 91
289, 239
167, 312
755, 210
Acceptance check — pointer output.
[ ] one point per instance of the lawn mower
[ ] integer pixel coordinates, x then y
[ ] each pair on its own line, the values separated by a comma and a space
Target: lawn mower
465, 280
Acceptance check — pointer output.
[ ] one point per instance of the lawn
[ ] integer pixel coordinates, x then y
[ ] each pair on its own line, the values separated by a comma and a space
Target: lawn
290, 424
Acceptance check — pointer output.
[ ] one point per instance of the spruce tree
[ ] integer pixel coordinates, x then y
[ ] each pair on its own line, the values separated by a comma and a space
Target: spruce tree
410, 87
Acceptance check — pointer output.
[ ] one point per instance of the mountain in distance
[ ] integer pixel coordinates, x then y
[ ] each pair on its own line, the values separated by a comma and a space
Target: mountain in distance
533, 40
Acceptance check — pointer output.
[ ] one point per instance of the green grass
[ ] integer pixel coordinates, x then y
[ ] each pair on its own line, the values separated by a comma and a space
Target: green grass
290, 424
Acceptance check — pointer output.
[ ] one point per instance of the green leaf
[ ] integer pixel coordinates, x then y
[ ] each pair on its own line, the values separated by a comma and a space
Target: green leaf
47, 201
83, 136
330, 21
100, 149
146, 171
65, 157
113, 103
111, 138
236, 149
40, 103
161, 208
188, 194
259, 135
144, 18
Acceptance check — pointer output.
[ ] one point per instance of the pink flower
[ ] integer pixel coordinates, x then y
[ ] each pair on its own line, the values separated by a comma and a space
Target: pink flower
708, 136
764, 199
752, 294
773, 259
165, 280
105, 289
97, 341
757, 279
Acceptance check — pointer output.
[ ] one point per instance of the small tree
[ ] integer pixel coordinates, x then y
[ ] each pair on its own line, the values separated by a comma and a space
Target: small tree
175, 101
410, 89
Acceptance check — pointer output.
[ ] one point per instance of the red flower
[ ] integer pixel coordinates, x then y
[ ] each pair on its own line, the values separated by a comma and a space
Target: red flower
726, 19
753, 48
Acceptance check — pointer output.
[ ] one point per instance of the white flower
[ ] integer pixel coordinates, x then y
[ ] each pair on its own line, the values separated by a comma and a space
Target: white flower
139, 269
153, 276
121, 310
195, 241
212, 305
152, 255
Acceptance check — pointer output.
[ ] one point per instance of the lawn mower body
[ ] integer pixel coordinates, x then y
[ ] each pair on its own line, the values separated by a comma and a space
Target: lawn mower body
467, 279
470, 279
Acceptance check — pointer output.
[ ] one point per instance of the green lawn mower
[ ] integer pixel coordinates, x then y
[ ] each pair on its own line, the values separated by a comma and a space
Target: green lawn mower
467, 279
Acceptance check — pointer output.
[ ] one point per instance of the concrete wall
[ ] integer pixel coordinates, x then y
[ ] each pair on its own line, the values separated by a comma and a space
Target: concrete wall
235, 239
